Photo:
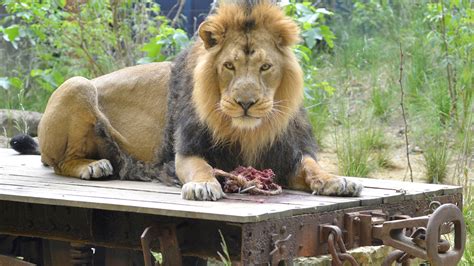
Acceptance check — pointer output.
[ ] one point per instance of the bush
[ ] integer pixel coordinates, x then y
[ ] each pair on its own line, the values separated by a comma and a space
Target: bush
49, 41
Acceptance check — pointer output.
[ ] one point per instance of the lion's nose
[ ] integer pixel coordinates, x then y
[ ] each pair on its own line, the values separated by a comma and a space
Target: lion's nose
246, 105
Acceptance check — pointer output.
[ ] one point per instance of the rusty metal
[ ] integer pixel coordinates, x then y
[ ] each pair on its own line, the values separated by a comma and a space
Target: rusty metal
81, 254
249, 243
165, 235
334, 236
432, 207
426, 243
445, 213
397, 256
358, 226
280, 249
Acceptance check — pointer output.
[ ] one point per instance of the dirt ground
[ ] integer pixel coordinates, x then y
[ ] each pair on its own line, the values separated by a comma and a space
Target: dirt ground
398, 169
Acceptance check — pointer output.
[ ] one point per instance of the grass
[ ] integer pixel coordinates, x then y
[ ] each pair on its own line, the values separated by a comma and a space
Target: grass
357, 94
436, 160
468, 211
364, 69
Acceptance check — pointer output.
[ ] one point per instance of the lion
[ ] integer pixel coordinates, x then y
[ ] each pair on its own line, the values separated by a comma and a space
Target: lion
234, 97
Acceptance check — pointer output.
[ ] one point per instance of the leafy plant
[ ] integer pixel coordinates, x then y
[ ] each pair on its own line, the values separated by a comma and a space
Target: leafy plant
165, 45
312, 23
315, 34
50, 41
373, 15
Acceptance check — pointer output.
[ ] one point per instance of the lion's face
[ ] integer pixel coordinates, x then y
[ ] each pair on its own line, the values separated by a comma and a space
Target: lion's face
247, 82
248, 76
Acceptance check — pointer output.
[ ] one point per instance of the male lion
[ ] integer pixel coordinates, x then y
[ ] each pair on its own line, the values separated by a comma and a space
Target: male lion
235, 97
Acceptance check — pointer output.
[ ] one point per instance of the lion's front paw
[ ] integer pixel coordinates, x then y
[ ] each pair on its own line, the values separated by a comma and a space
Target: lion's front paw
336, 186
202, 191
97, 169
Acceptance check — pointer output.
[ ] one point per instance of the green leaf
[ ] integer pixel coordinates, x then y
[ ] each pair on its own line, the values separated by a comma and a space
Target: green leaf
61, 3
328, 35
36, 72
311, 36
302, 9
311, 18
324, 11
11, 32
16, 82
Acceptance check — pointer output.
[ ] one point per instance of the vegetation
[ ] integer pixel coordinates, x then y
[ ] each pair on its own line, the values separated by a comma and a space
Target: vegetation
47, 42
350, 55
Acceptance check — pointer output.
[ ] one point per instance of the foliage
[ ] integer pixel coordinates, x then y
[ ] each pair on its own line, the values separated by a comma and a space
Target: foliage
312, 23
316, 36
468, 211
46, 42
164, 46
453, 28
373, 15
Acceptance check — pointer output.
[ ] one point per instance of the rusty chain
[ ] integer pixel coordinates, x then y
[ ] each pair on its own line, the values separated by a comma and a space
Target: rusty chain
334, 237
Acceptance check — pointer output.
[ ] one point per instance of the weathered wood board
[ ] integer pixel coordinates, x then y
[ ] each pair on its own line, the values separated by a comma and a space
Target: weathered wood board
24, 179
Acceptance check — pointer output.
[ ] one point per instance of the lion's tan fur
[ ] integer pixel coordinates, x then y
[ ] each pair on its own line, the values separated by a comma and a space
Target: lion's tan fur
131, 102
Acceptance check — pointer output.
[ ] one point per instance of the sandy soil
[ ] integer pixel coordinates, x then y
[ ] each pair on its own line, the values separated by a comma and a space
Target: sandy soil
398, 161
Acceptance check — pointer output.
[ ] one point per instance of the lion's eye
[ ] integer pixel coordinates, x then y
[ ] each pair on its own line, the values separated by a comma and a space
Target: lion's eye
229, 65
265, 67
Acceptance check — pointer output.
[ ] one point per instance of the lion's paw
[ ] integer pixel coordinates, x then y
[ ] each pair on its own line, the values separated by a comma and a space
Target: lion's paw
336, 186
97, 169
202, 191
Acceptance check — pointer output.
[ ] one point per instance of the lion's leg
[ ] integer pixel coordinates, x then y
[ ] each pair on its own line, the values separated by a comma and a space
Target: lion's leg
84, 168
197, 178
312, 177
67, 134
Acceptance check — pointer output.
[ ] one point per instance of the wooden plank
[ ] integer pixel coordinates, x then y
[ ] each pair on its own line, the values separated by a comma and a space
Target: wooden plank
24, 179
81, 185
205, 211
406, 186
12, 261
299, 199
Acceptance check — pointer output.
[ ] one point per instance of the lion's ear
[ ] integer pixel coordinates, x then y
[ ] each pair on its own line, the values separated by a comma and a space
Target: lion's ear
211, 33
288, 32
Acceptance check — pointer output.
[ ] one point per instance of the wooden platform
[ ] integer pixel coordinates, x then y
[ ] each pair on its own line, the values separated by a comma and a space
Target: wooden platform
24, 179
112, 215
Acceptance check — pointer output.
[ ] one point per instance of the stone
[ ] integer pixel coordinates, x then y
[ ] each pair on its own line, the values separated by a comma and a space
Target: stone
13, 122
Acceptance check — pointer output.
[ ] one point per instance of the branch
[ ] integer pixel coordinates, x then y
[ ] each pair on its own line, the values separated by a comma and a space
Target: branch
84, 48
116, 28
402, 98
449, 70
178, 13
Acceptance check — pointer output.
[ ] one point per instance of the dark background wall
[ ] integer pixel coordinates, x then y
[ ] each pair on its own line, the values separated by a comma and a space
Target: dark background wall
194, 12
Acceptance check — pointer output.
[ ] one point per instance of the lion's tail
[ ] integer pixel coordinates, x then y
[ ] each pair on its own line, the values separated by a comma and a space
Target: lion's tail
129, 168
25, 144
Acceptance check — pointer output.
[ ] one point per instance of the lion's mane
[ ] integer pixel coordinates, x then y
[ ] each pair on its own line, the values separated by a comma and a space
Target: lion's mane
196, 127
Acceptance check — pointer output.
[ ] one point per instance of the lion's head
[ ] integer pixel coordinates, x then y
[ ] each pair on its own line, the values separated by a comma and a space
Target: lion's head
247, 81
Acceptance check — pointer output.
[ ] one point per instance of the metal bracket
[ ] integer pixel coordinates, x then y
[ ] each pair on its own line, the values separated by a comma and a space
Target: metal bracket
169, 246
280, 251
334, 237
414, 237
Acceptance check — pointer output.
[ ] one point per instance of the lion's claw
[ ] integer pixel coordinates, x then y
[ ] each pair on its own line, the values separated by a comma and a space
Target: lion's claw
336, 186
97, 169
202, 191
